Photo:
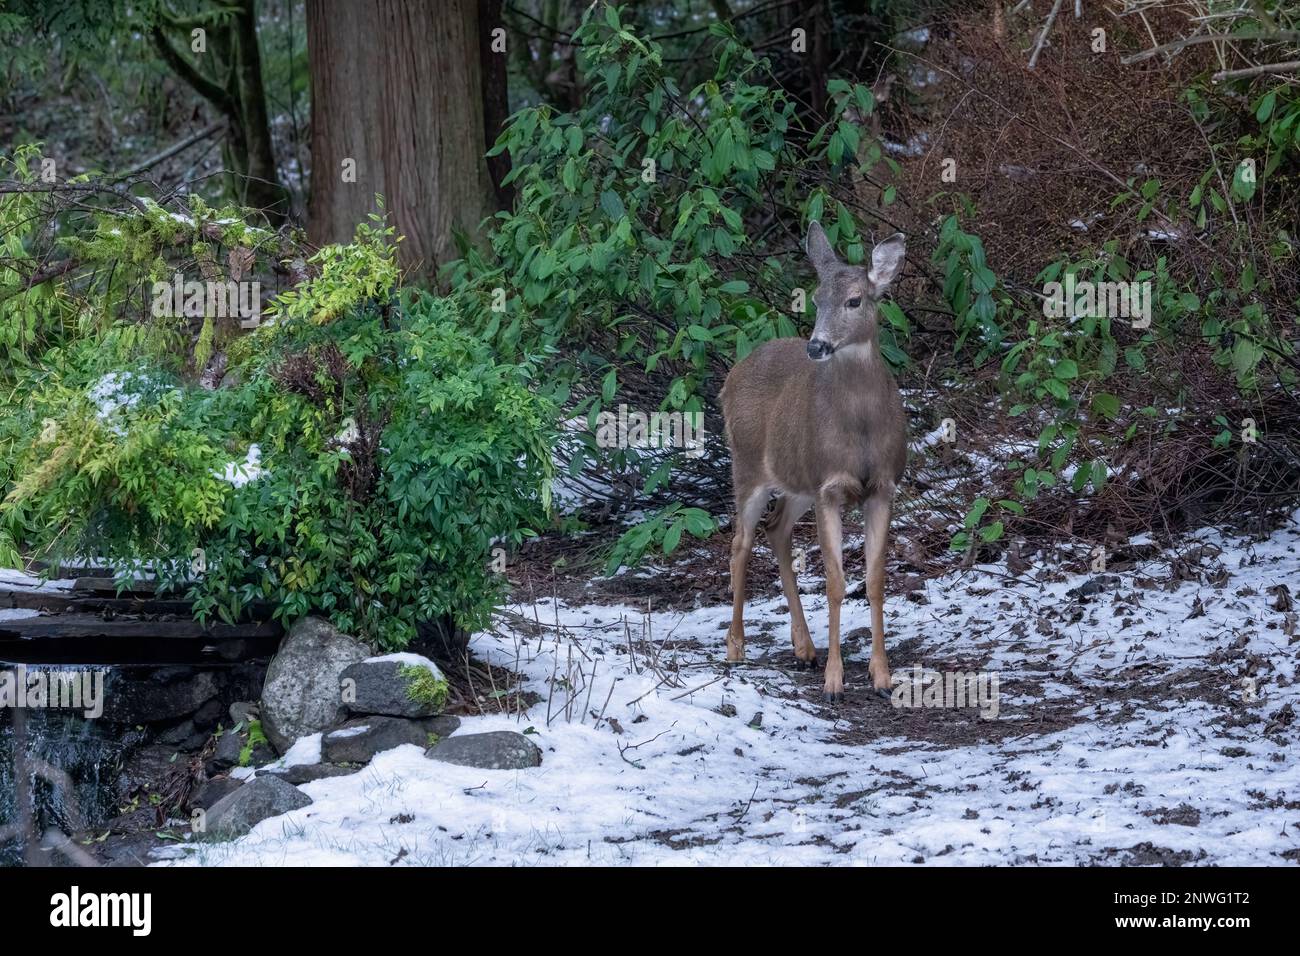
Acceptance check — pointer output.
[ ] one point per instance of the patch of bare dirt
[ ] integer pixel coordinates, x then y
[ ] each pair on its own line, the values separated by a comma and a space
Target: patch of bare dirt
1148, 854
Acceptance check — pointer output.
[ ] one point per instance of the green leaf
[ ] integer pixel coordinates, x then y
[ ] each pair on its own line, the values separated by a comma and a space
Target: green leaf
743, 346
723, 242
612, 205
1106, 405
815, 207
698, 521
1244, 182
1245, 356
1056, 388
976, 512
1098, 475
1266, 104
673, 537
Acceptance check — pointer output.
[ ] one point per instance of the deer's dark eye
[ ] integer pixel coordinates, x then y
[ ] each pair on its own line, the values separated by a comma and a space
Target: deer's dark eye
853, 303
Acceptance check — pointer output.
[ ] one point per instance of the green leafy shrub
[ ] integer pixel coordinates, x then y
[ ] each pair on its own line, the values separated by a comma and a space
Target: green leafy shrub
395, 460
1084, 379
363, 457
657, 237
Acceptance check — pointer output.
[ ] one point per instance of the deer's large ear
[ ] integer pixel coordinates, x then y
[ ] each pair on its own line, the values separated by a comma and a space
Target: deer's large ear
886, 262
819, 248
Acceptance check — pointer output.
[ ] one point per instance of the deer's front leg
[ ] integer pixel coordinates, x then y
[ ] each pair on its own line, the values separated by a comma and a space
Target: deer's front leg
748, 512
875, 512
830, 534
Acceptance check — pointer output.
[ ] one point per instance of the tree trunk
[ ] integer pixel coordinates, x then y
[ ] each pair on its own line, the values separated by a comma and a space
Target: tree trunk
263, 189
397, 88
496, 98
232, 82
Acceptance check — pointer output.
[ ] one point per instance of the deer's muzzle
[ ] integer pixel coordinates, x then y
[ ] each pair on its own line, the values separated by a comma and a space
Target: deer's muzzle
819, 349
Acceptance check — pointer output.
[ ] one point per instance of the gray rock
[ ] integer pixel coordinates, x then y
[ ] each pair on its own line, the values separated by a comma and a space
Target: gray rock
230, 746
169, 694
498, 750
360, 739
226, 754
178, 734
260, 799
207, 716
444, 725
243, 711
212, 791
307, 772
193, 743
301, 695
397, 688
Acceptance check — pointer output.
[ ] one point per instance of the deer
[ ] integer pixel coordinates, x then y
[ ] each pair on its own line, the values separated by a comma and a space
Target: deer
820, 423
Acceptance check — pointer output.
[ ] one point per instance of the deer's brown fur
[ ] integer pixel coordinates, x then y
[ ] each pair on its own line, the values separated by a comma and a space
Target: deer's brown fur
820, 423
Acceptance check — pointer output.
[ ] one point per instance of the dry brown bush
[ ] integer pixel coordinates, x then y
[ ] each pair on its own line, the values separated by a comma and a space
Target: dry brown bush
1041, 153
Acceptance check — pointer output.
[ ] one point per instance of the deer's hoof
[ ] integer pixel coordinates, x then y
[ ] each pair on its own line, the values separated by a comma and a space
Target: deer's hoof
883, 693
802, 665
833, 696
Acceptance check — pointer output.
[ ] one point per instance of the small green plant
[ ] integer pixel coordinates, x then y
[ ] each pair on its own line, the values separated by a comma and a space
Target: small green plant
424, 686
663, 530
971, 288
255, 737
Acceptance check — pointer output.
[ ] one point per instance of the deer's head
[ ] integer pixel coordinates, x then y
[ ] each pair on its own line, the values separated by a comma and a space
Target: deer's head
846, 295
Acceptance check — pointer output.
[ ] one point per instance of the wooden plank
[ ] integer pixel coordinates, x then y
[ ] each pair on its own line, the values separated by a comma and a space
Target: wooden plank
54, 602
80, 625
128, 652
108, 586
33, 600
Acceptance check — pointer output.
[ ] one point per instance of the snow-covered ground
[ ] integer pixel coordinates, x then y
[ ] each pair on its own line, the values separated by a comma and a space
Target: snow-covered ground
1147, 722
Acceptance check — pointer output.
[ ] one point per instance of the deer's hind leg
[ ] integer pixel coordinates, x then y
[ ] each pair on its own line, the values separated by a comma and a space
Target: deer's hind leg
780, 526
831, 535
751, 501
875, 512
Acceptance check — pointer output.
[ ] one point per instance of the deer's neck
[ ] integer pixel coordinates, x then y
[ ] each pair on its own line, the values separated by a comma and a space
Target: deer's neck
856, 367
854, 387
864, 354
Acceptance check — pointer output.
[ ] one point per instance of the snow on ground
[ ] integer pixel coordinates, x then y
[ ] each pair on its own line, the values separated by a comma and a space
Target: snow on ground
1147, 720
24, 580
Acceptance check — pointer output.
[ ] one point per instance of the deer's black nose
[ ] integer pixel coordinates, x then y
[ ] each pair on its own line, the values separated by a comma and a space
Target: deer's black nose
818, 350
